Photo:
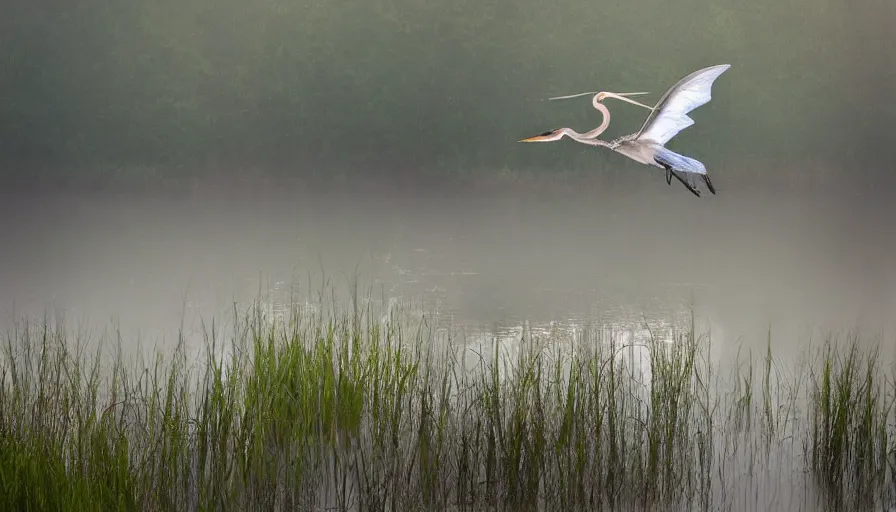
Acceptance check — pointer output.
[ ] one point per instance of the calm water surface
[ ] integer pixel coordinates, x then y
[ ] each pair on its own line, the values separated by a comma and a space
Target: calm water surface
799, 265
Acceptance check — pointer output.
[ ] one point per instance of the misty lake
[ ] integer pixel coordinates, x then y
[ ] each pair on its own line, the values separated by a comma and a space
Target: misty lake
757, 271
797, 265
300, 234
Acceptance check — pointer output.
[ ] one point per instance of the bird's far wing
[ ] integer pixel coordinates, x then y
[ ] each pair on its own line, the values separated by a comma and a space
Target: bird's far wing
670, 115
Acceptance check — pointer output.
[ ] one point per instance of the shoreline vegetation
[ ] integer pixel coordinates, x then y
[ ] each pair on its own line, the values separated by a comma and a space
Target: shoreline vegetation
355, 411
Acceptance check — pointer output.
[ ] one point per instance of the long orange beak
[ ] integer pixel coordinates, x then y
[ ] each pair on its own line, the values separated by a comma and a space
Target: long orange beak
537, 138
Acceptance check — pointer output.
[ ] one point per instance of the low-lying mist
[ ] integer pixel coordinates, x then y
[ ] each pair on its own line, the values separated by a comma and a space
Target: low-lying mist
747, 260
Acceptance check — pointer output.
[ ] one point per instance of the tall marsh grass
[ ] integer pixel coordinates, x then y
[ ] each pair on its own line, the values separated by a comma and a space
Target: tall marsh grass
349, 412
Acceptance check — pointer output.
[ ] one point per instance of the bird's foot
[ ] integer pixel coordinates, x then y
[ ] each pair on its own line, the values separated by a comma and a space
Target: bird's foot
709, 184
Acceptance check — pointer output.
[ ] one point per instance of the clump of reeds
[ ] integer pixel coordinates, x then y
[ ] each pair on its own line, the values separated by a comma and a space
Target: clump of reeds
851, 425
347, 412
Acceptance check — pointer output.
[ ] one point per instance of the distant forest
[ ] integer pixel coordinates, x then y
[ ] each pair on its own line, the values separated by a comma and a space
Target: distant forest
402, 85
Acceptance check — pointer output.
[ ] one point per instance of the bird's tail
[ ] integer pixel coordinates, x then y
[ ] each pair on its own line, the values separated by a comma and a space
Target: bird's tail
678, 162
685, 168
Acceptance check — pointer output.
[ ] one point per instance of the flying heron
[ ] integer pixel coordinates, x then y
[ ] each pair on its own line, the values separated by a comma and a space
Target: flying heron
668, 117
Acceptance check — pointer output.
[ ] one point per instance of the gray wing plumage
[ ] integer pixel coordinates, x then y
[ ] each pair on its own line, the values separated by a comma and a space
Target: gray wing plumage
670, 115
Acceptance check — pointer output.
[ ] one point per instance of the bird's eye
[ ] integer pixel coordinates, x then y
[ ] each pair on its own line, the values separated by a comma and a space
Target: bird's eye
545, 134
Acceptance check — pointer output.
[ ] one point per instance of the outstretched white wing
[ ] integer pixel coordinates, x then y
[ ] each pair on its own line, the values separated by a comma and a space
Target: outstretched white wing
670, 115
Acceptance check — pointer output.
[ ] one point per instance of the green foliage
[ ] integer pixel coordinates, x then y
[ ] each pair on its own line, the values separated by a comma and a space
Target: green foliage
354, 411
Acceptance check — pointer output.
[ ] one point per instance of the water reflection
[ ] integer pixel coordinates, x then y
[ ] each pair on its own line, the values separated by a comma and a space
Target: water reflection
158, 267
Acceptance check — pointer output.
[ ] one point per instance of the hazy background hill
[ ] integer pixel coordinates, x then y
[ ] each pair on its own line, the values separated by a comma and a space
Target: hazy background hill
396, 88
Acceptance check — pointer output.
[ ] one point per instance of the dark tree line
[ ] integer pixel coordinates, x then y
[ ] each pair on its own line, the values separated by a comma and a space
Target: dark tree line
411, 84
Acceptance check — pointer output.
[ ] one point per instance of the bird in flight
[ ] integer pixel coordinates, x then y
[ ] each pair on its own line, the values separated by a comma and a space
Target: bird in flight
668, 117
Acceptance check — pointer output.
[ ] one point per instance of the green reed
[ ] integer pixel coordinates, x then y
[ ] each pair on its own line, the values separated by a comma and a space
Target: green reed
348, 412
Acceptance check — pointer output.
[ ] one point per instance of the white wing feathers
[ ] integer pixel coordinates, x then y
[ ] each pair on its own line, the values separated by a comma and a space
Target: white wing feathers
670, 115
678, 162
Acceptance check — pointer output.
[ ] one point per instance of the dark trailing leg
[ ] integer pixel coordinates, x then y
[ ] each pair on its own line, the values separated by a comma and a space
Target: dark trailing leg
668, 176
686, 184
708, 183
670, 172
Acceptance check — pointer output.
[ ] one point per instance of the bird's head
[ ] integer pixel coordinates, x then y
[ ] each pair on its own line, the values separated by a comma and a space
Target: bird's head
548, 136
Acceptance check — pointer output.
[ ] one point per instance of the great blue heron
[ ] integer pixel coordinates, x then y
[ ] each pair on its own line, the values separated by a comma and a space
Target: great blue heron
668, 117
